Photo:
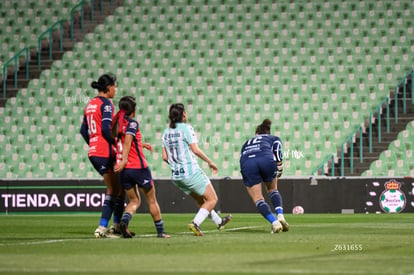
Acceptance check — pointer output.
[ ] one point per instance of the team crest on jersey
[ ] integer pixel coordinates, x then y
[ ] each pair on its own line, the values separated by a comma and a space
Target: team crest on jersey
108, 108
133, 125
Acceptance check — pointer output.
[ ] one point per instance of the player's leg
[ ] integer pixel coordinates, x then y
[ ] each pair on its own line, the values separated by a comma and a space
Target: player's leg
255, 192
206, 203
132, 206
119, 203
102, 165
155, 211
276, 199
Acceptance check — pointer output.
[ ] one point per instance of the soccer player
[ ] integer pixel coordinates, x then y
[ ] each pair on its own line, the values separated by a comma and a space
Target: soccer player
133, 168
96, 130
261, 160
179, 148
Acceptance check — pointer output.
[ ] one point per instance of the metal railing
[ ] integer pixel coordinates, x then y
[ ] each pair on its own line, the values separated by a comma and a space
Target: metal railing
403, 82
324, 164
350, 139
378, 112
50, 32
80, 6
15, 58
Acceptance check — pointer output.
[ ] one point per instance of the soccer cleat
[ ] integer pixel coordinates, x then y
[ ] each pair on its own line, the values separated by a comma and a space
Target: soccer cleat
115, 229
195, 228
124, 230
101, 232
283, 222
276, 227
224, 221
163, 235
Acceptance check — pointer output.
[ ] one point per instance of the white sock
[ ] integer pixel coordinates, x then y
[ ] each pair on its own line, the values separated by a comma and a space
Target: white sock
201, 215
215, 217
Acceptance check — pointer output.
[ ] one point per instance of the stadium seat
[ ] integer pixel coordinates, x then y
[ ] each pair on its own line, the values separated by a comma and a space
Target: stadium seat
162, 54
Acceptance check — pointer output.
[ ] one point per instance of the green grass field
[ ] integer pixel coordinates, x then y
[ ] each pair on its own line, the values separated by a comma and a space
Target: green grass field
315, 244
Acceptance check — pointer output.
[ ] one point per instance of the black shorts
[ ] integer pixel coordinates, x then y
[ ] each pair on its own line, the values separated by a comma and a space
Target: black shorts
102, 165
129, 177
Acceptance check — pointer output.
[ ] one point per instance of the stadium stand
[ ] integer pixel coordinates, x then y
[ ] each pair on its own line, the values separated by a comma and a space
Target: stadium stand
317, 69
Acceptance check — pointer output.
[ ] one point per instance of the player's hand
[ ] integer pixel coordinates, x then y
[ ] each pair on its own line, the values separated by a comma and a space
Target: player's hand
213, 167
147, 146
279, 170
120, 166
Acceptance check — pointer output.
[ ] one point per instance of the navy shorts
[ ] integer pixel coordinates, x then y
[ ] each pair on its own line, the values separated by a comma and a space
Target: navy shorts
129, 177
258, 170
102, 165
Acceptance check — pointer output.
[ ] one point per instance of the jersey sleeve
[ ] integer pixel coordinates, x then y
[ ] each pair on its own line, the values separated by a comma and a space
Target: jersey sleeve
277, 149
84, 130
107, 112
189, 135
132, 128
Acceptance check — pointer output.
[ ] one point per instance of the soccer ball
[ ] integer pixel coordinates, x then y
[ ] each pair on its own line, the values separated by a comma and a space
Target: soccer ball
297, 210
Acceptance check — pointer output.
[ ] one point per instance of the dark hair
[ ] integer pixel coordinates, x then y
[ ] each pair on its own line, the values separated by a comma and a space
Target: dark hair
127, 105
103, 82
176, 114
264, 128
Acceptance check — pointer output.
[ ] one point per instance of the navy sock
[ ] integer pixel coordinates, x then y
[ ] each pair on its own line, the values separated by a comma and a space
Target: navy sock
107, 210
126, 218
118, 209
264, 209
159, 225
276, 199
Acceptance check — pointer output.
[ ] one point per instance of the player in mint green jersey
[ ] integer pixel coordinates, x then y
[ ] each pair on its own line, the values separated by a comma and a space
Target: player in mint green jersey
179, 150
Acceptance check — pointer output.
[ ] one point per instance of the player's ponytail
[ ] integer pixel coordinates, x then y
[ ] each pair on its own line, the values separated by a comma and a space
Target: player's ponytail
127, 106
176, 114
264, 128
103, 82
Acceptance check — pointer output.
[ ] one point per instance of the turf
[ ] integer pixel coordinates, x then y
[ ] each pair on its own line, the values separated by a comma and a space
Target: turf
315, 244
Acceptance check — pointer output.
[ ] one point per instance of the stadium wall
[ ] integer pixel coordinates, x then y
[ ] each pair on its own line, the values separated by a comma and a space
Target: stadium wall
315, 195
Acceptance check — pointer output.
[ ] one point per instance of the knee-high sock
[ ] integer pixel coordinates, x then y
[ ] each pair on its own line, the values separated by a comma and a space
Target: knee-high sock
107, 210
118, 208
265, 210
201, 215
276, 199
159, 225
215, 217
126, 218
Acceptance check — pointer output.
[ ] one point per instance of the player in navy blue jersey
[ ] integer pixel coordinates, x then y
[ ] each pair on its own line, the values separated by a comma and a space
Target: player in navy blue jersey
261, 160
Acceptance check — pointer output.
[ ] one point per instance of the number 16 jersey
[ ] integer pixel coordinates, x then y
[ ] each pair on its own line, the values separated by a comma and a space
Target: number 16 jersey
98, 112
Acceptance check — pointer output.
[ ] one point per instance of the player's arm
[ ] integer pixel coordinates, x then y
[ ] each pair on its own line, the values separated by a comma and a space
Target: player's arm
199, 153
277, 151
147, 146
84, 130
125, 152
164, 155
106, 131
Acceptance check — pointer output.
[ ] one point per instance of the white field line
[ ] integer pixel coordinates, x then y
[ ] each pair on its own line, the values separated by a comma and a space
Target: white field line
137, 236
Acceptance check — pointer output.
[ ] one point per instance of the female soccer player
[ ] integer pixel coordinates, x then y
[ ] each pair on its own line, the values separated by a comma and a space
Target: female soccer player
96, 130
133, 167
179, 147
261, 160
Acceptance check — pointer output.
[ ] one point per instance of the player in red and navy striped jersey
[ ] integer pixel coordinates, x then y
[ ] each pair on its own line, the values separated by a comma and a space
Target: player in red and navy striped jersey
133, 168
96, 130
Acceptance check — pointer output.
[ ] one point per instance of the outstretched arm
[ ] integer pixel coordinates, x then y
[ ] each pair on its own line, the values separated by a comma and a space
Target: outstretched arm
199, 153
